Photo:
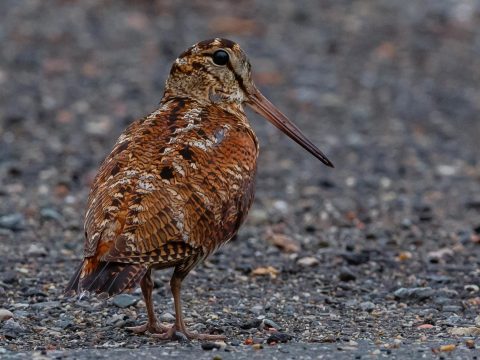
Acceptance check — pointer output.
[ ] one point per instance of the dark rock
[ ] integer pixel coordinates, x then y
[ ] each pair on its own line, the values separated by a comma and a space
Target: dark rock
210, 345
357, 258
251, 324
424, 212
279, 337
476, 229
346, 275
9, 277
473, 204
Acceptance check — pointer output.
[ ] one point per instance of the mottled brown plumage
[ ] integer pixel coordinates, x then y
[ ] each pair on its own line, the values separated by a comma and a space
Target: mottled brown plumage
178, 183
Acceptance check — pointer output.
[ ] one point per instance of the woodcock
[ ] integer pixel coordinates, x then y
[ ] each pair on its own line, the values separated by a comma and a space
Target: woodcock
178, 183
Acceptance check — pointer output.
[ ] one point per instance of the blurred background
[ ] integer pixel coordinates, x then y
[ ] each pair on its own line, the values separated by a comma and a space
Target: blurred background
389, 90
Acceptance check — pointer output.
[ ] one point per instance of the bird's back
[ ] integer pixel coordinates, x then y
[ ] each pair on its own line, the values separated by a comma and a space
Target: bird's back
177, 184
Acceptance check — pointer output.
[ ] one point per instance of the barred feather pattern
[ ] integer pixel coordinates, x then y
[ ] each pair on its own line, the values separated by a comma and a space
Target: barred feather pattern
176, 186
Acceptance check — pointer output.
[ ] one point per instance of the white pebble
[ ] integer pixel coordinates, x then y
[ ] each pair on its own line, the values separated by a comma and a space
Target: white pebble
5, 314
307, 261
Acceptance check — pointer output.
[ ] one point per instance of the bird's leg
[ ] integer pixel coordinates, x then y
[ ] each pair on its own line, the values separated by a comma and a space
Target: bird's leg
152, 325
176, 285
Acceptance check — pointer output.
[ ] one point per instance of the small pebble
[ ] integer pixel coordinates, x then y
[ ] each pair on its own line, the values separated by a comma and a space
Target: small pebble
46, 305
15, 221
167, 317
271, 324
257, 309
425, 327
452, 308
414, 293
180, 337
37, 250
308, 261
257, 340
5, 314
470, 344
448, 348
251, 324
465, 331
472, 288
367, 306
51, 214
347, 275
12, 329
210, 345
125, 300
279, 337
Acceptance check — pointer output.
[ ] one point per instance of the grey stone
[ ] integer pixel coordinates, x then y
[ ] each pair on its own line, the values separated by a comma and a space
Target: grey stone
51, 214
257, 309
46, 305
12, 329
167, 317
125, 300
37, 250
452, 308
417, 294
15, 222
271, 324
367, 306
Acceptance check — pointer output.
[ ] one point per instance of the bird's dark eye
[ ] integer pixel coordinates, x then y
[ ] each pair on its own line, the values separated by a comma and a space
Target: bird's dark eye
220, 57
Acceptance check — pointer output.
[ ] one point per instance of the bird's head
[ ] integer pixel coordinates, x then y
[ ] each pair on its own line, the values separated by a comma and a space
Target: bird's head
217, 71
213, 71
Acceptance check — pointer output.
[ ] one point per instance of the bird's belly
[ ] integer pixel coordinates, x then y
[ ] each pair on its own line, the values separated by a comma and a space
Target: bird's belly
227, 203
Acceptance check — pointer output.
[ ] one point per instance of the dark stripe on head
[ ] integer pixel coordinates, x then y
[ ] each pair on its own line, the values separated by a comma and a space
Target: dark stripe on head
205, 44
227, 43
237, 77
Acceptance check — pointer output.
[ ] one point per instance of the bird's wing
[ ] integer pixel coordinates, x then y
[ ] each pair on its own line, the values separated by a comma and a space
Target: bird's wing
177, 182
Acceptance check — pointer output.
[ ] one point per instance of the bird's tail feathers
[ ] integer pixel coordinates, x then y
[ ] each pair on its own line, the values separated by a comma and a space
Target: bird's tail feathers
106, 278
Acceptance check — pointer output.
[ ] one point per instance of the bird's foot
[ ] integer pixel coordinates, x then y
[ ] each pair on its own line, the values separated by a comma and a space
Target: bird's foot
153, 328
176, 333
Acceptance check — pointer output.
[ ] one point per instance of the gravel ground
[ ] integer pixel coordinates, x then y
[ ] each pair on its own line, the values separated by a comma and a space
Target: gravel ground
378, 257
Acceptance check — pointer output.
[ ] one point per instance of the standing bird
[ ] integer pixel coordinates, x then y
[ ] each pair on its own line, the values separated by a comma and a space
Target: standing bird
178, 183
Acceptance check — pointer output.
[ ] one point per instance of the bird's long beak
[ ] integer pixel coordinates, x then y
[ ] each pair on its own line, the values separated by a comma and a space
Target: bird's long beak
264, 107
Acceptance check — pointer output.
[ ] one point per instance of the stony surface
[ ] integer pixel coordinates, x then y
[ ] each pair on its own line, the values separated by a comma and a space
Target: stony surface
388, 89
